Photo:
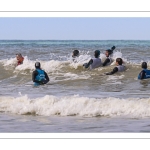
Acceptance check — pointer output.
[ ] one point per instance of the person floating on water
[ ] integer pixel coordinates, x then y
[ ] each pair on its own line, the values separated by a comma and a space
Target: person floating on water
119, 67
145, 73
108, 54
39, 76
94, 62
75, 54
19, 59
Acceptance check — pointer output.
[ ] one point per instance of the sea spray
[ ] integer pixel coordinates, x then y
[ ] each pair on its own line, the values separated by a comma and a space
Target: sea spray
76, 105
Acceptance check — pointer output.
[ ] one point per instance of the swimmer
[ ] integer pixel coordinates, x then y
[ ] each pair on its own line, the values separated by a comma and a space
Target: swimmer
119, 67
75, 54
145, 73
39, 76
108, 54
94, 62
19, 59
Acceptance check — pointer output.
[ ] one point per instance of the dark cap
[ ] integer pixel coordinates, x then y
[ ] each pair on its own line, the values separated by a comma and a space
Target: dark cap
119, 60
75, 52
144, 65
37, 65
97, 53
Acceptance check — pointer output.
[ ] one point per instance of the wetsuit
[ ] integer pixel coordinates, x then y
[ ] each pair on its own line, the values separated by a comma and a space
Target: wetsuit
93, 63
40, 77
144, 74
108, 61
119, 68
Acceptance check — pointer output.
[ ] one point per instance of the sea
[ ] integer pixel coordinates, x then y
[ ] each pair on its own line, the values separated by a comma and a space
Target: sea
76, 99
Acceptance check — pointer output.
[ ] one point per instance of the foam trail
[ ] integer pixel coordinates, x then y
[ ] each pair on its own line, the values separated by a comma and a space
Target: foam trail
76, 105
9, 62
116, 55
49, 66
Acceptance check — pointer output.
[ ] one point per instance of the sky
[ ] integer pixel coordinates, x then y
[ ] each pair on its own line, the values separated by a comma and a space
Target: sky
74, 28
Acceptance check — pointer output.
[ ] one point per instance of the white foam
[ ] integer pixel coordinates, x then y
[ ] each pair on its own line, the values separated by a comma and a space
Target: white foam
76, 105
67, 77
112, 77
79, 61
9, 62
72, 76
49, 66
116, 55
103, 57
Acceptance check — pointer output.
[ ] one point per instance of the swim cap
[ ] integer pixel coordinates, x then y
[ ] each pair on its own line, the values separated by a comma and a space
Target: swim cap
144, 65
97, 53
75, 52
37, 65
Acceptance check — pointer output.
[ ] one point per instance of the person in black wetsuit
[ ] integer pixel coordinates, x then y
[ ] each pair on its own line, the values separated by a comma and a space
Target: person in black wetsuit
119, 67
145, 73
108, 53
75, 54
39, 76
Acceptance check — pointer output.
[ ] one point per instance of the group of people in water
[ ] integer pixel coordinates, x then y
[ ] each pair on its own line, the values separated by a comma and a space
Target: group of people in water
40, 77
96, 62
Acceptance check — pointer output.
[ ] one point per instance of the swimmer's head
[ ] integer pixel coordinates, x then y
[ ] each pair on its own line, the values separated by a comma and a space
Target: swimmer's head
75, 53
119, 61
109, 51
19, 57
144, 65
97, 53
37, 65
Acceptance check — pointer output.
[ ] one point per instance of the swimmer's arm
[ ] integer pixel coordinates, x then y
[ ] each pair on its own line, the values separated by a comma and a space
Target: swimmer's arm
106, 61
34, 74
112, 72
142, 75
86, 65
46, 76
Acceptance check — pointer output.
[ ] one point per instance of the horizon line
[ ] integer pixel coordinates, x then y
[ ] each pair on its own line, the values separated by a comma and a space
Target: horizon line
74, 40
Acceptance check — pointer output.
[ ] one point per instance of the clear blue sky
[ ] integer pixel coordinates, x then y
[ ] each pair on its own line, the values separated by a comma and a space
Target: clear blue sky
75, 28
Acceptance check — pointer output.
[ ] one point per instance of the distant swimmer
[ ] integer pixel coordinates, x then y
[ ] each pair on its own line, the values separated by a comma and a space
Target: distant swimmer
108, 54
119, 67
94, 62
19, 59
39, 76
145, 73
75, 54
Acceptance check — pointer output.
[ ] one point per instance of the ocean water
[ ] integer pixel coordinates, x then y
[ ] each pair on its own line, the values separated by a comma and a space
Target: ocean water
76, 100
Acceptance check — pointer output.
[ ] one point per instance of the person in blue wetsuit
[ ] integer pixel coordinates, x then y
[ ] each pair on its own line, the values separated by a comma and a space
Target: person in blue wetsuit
94, 62
108, 54
119, 67
145, 73
39, 76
